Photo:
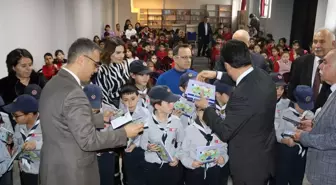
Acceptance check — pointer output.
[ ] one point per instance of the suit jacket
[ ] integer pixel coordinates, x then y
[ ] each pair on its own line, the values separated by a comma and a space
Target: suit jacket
248, 127
321, 156
70, 138
201, 30
301, 74
257, 60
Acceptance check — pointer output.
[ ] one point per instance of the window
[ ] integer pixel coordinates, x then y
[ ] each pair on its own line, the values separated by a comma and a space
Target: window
265, 8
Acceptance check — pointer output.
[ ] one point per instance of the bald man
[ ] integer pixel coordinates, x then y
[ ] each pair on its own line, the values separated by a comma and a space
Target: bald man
320, 135
257, 59
304, 70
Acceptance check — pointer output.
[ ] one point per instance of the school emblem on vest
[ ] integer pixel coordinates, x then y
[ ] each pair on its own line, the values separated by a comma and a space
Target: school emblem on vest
34, 92
280, 76
308, 98
190, 75
93, 97
144, 63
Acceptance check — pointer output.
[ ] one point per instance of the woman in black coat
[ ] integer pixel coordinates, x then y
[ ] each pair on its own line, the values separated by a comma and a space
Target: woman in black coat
20, 74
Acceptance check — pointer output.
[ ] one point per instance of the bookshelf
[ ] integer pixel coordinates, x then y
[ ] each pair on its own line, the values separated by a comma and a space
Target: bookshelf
180, 18
219, 14
170, 18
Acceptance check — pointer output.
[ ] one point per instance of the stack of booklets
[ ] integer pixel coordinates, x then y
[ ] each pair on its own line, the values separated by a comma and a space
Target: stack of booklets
195, 88
120, 118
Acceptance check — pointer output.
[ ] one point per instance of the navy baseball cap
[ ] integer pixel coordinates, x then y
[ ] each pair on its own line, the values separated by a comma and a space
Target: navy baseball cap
33, 90
278, 79
24, 103
139, 67
94, 94
185, 77
163, 93
304, 97
222, 87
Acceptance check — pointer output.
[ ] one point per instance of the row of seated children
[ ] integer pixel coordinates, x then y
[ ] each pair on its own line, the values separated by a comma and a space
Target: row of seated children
26, 142
291, 156
168, 127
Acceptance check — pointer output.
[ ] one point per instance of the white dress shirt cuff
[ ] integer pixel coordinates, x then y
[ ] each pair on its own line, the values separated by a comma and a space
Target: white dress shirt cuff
219, 75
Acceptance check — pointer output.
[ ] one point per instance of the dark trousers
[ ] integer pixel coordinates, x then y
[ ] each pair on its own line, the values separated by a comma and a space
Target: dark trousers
203, 45
196, 176
106, 164
224, 174
29, 179
162, 175
7, 178
133, 164
290, 166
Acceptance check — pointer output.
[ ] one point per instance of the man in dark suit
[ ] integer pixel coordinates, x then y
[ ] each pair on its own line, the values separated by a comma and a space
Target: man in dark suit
249, 124
304, 70
256, 59
204, 36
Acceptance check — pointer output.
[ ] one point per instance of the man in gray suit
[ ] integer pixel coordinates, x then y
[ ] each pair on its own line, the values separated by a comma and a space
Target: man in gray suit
69, 126
319, 135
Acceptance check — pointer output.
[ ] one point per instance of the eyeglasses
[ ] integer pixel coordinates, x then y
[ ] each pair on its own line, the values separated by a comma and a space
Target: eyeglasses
96, 63
185, 57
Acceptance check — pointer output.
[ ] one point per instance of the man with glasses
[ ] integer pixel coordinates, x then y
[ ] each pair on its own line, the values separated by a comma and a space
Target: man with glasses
70, 138
182, 59
319, 135
304, 70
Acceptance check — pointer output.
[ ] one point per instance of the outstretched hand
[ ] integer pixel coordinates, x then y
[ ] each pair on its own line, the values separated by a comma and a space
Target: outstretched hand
205, 75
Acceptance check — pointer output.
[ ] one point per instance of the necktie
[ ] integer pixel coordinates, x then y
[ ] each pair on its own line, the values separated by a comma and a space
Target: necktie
316, 84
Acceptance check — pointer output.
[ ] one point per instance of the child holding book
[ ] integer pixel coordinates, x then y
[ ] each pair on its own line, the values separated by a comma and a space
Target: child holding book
140, 79
162, 140
292, 156
197, 135
5, 150
223, 92
133, 160
184, 79
106, 158
27, 136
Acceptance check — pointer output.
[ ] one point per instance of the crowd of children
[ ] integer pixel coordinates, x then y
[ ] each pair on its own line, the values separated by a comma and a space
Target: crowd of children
149, 54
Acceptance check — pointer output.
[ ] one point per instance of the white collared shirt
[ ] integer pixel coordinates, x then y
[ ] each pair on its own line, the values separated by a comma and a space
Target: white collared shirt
206, 28
248, 71
73, 74
243, 75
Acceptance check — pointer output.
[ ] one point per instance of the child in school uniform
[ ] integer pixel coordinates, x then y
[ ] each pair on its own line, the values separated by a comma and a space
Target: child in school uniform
140, 78
282, 102
27, 136
196, 135
223, 92
184, 79
166, 130
5, 150
292, 156
133, 160
106, 158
